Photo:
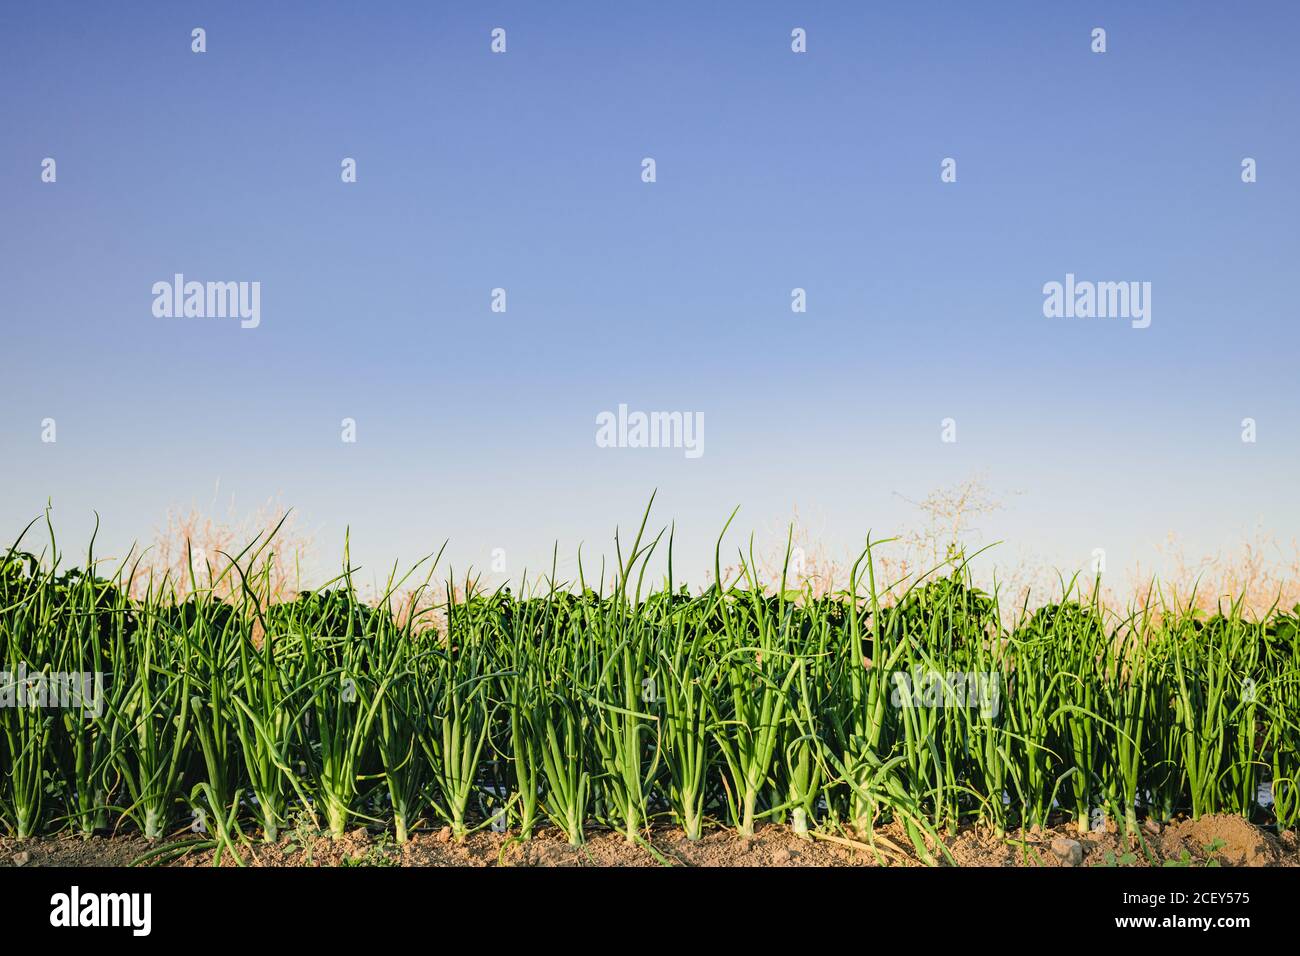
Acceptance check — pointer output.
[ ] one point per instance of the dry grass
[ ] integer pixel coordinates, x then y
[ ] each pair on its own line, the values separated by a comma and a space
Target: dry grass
1261, 572
192, 550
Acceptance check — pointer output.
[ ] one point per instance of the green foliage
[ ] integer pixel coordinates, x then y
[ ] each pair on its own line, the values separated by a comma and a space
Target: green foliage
631, 706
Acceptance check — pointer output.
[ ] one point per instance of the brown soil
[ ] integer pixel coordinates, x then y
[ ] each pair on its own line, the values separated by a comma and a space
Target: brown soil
1212, 840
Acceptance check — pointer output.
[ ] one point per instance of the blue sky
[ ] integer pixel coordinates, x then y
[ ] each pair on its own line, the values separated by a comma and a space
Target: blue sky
775, 170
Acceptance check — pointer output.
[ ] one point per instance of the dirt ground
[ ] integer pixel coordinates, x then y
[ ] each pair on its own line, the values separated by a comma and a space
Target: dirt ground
1210, 841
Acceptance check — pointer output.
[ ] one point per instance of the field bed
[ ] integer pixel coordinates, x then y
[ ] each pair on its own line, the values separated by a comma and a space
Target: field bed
1216, 840
627, 708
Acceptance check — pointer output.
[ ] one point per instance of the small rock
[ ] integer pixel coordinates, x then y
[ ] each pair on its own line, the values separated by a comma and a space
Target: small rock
360, 835
1151, 826
22, 858
781, 857
1068, 851
444, 835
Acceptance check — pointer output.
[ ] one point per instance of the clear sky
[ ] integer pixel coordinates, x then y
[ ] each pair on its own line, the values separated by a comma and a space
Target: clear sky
775, 170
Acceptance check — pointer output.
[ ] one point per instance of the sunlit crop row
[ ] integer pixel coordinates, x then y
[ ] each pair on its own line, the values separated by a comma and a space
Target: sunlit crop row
629, 706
